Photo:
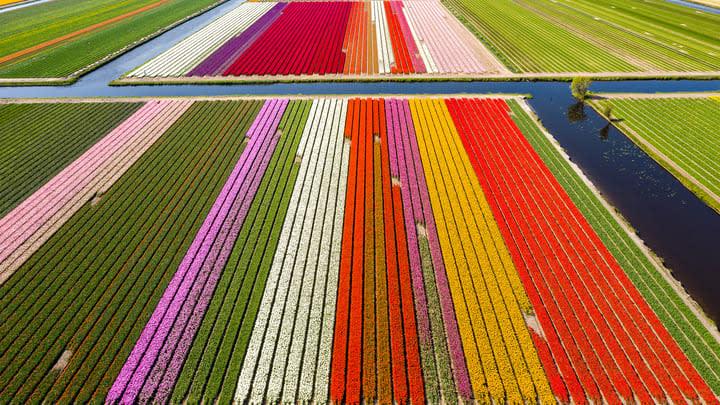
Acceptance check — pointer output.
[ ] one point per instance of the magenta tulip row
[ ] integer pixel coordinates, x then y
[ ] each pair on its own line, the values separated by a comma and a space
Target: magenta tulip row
155, 361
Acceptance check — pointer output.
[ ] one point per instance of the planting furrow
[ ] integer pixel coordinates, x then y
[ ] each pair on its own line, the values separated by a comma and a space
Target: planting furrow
100, 181
39, 140
490, 270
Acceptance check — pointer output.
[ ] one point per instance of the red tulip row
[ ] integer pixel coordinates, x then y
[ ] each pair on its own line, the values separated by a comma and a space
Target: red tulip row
375, 308
593, 317
306, 39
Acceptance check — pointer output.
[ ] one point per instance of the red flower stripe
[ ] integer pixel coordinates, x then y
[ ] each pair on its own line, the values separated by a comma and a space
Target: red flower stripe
340, 338
663, 365
554, 377
599, 304
400, 384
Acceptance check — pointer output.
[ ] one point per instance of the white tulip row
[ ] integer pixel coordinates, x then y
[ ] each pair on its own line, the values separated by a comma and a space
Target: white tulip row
184, 56
290, 350
386, 57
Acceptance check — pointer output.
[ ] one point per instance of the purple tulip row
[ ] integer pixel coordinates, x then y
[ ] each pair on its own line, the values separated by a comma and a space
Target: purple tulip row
152, 368
405, 163
223, 57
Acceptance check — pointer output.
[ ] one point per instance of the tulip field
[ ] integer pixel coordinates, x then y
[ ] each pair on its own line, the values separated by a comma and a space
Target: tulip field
365, 38
689, 150
406, 249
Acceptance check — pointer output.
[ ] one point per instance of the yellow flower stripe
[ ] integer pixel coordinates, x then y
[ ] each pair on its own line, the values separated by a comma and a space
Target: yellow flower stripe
486, 290
716, 98
510, 285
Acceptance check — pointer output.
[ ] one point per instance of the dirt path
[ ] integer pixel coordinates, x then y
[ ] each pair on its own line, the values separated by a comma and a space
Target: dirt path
228, 98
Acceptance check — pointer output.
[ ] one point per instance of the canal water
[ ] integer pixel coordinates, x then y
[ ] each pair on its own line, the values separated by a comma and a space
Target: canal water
673, 222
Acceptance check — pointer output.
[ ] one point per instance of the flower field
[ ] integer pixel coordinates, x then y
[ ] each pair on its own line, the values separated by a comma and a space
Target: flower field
343, 38
335, 250
690, 151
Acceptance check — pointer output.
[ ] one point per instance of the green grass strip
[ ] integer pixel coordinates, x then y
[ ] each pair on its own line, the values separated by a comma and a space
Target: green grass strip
213, 365
441, 359
684, 326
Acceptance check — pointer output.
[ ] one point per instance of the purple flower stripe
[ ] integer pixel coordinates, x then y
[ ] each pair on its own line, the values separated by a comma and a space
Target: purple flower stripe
421, 307
23, 221
132, 375
224, 56
194, 308
462, 377
137, 381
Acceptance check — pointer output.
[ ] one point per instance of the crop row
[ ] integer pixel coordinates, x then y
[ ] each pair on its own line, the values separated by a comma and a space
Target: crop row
342, 37
403, 250
691, 144
214, 361
39, 140
288, 355
682, 322
90, 289
35, 219
606, 341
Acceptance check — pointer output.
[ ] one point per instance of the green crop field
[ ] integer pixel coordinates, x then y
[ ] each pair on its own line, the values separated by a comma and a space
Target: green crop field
684, 130
594, 36
694, 339
53, 136
104, 271
32, 26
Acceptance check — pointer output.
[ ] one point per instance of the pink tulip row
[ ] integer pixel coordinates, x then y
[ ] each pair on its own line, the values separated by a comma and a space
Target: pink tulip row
406, 164
450, 48
153, 365
24, 221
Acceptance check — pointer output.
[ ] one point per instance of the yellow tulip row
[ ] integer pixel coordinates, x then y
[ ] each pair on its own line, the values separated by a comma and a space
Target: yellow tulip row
487, 293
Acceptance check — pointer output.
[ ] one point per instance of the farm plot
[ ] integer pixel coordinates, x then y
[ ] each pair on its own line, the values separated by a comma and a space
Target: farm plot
63, 39
409, 250
682, 133
631, 38
616, 346
92, 287
343, 38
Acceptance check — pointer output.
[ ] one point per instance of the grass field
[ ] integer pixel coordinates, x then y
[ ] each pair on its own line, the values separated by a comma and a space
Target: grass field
58, 38
680, 133
334, 250
594, 36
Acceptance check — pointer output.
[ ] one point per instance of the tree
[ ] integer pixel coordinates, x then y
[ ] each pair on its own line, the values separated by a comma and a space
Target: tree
580, 87
607, 111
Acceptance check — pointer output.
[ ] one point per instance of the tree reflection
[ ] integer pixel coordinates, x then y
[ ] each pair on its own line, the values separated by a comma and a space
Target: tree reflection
576, 112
